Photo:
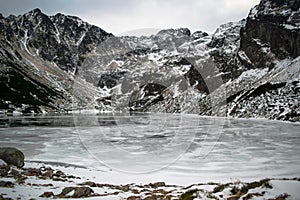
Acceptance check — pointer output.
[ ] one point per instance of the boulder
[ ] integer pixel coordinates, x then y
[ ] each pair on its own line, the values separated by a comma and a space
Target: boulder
7, 184
76, 192
12, 156
47, 194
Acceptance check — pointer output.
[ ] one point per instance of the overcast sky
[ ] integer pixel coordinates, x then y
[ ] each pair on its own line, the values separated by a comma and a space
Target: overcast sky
119, 16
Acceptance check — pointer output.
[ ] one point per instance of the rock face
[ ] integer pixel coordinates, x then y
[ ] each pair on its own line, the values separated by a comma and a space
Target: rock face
272, 31
12, 156
270, 35
224, 46
248, 68
146, 96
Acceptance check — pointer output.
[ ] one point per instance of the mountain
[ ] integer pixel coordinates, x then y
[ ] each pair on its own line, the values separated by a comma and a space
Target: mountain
39, 57
248, 68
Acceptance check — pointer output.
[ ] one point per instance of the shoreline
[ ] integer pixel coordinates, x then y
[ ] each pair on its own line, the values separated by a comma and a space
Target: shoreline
4, 115
44, 181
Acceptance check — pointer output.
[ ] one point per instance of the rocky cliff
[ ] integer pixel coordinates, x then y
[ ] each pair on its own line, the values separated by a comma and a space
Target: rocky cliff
272, 32
270, 41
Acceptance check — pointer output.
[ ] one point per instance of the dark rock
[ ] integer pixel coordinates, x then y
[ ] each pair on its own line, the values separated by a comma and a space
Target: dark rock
195, 78
5, 198
59, 179
89, 183
269, 33
278, 2
79, 192
12, 156
47, 194
6, 184
157, 184
4, 169
58, 173
138, 51
295, 119
294, 5
190, 194
146, 96
32, 109
110, 80
153, 89
234, 197
31, 172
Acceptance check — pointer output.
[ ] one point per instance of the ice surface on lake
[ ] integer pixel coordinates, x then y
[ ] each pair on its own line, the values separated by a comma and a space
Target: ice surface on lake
177, 149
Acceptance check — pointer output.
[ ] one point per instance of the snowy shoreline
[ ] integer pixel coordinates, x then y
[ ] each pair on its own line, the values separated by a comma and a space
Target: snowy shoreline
44, 181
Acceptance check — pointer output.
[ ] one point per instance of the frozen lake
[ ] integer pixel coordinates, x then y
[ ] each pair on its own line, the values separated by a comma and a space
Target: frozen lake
143, 148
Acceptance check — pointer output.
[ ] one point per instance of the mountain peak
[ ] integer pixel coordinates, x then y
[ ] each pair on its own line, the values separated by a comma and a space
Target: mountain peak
178, 32
35, 11
292, 4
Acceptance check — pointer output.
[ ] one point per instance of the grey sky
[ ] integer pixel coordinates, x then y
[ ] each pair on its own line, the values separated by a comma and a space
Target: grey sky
119, 16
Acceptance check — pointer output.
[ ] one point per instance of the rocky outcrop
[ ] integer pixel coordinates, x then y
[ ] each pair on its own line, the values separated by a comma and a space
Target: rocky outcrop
75, 192
110, 80
262, 72
12, 156
272, 32
146, 96
225, 44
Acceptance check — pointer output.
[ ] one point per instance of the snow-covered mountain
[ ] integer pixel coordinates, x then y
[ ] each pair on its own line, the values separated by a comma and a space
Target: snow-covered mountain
39, 57
249, 68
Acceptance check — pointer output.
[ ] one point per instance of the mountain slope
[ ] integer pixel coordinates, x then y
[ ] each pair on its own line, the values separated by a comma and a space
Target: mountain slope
269, 58
248, 68
39, 57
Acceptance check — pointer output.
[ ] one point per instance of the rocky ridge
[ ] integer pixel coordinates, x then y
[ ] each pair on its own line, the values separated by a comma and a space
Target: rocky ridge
248, 68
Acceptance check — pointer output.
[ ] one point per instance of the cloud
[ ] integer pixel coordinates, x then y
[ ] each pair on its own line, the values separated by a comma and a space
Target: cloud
118, 16
204, 15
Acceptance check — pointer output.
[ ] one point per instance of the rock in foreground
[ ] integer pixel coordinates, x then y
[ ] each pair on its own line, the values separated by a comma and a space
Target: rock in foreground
12, 156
